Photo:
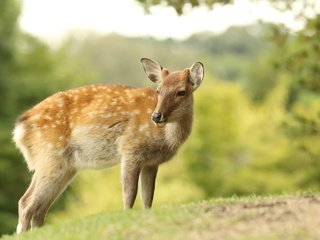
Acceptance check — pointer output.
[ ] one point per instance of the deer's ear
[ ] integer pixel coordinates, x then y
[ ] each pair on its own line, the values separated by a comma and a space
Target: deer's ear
152, 69
196, 74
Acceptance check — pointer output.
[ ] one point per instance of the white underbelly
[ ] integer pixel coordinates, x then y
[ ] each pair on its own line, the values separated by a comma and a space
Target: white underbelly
97, 156
94, 150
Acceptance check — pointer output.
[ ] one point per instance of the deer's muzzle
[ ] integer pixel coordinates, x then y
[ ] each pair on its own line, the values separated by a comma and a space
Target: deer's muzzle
158, 118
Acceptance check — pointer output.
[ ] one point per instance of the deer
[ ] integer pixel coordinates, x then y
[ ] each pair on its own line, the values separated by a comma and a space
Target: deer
101, 125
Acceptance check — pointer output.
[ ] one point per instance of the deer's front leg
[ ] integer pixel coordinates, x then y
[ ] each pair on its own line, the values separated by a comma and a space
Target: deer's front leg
130, 177
148, 178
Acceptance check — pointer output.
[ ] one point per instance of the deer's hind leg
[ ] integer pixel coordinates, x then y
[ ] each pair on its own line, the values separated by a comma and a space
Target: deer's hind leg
48, 181
24, 221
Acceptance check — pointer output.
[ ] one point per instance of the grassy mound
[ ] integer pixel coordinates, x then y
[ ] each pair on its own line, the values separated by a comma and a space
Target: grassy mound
293, 217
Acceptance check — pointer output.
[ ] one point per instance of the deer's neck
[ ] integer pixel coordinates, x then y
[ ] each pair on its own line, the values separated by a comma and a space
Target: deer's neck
176, 132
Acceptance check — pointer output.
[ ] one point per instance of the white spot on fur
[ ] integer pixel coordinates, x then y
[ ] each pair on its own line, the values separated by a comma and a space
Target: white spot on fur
136, 111
60, 113
60, 102
128, 93
149, 111
47, 117
75, 110
92, 114
143, 127
38, 134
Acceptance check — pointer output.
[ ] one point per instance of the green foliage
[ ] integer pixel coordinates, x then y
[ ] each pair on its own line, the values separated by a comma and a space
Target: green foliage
244, 41
9, 13
240, 148
230, 56
215, 147
298, 60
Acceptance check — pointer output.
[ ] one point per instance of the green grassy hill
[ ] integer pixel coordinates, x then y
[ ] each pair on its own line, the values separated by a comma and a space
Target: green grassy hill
293, 217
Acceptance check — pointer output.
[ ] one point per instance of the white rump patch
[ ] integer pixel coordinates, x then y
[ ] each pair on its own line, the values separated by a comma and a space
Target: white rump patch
18, 135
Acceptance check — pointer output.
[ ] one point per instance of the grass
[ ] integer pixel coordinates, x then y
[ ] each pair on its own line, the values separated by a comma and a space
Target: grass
293, 217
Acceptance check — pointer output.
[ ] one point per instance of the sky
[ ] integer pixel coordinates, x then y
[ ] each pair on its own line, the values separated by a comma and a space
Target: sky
53, 20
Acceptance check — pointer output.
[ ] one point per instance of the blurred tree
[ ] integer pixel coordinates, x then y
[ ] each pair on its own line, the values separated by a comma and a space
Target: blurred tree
232, 52
299, 61
245, 40
8, 32
12, 180
214, 150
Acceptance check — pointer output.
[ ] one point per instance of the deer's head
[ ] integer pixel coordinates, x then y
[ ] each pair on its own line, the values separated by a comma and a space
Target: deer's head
174, 90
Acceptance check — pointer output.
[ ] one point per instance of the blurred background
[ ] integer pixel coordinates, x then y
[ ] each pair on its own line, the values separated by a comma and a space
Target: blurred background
257, 114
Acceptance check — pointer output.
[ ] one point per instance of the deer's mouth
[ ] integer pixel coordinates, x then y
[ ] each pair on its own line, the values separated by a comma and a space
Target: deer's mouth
160, 124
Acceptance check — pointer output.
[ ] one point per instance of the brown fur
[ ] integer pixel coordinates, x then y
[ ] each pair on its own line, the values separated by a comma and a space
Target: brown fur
98, 126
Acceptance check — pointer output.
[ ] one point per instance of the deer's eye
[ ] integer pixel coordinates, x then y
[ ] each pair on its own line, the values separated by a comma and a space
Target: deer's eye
181, 93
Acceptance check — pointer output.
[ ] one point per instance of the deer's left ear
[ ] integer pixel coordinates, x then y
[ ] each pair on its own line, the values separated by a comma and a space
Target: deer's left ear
196, 74
152, 69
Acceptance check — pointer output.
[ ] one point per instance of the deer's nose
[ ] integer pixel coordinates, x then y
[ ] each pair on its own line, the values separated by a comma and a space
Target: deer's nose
157, 117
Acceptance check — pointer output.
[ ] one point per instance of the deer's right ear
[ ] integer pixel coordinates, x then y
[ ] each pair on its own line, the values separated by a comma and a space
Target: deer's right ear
152, 69
196, 74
